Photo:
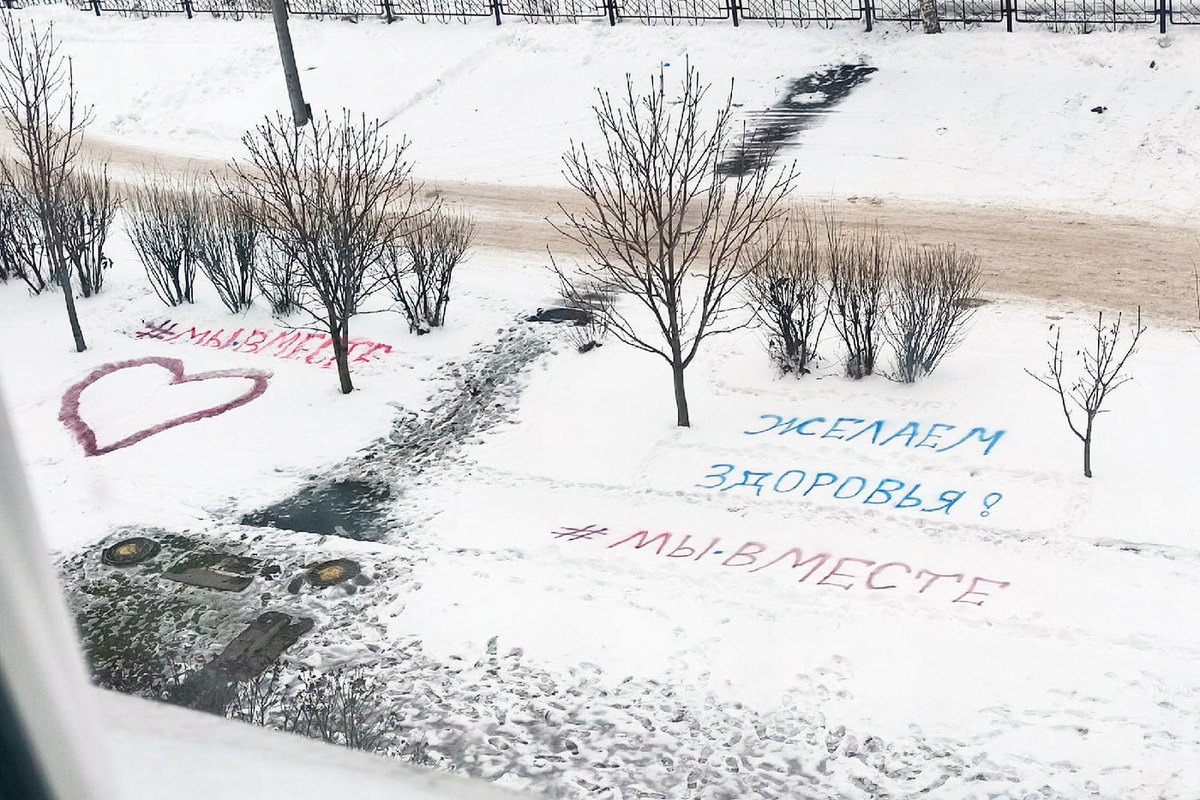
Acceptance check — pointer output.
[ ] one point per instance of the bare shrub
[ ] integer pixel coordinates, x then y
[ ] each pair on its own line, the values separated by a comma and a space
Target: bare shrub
226, 250
929, 305
859, 264
786, 293
22, 254
341, 706
278, 277
257, 699
596, 301
164, 223
89, 206
419, 267
1100, 374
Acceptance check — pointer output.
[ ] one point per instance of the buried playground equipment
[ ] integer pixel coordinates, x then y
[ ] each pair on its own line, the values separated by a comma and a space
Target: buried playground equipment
129, 552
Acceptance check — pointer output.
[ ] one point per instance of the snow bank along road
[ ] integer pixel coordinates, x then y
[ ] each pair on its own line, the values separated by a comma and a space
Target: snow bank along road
1098, 261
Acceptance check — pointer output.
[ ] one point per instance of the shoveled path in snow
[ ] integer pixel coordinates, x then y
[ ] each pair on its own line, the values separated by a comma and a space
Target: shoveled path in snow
1107, 262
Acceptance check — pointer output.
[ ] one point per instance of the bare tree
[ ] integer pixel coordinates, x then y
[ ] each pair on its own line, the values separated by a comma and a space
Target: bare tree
88, 211
929, 305
859, 262
662, 224
42, 113
786, 293
1101, 368
335, 197
226, 251
419, 268
164, 224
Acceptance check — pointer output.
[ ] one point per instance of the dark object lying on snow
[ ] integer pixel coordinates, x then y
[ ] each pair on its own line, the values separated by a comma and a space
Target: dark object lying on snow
575, 315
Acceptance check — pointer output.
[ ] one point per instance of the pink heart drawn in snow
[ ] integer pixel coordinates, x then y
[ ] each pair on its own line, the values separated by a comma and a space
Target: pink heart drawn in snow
69, 414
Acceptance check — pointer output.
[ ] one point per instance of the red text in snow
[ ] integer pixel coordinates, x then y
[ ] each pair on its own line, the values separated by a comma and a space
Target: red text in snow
808, 567
311, 347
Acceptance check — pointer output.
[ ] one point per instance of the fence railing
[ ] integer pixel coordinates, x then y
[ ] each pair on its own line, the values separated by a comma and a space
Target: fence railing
1077, 15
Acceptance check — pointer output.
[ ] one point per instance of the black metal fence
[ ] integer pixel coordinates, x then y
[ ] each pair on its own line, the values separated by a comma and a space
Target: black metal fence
1070, 15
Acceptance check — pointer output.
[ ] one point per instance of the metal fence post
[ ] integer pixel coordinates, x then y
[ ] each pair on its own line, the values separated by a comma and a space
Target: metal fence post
387, 11
1009, 11
187, 8
611, 5
1163, 13
869, 14
96, 7
496, 10
733, 11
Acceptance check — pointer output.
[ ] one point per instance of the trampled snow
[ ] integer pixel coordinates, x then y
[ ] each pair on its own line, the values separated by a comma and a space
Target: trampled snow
783, 600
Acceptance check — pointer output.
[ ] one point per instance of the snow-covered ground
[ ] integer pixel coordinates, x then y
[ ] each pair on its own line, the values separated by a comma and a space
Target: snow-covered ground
744, 608
977, 115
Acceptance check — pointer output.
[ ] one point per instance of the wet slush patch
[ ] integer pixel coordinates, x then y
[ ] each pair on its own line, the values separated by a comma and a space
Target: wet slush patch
350, 508
358, 507
805, 102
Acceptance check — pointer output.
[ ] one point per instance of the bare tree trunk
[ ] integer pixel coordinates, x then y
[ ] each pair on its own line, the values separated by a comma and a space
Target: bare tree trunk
62, 268
341, 357
1087, 449
64, 280
681, 404
929, 16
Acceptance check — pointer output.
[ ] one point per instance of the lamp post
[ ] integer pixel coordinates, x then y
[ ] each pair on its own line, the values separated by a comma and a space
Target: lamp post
301, 112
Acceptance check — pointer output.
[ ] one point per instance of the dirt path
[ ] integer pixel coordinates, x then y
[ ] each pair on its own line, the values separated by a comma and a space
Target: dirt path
1105, 262
1097, 261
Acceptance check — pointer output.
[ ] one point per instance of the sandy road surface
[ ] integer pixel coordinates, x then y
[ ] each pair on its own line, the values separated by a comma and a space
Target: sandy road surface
1097, 261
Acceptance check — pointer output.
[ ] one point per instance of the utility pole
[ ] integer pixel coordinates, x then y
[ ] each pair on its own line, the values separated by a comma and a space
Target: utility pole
301, 112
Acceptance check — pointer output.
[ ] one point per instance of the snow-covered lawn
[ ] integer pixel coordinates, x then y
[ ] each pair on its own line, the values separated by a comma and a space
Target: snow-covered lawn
824, 588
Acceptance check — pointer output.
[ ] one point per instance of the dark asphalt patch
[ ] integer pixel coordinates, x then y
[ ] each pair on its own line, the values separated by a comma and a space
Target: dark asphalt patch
805, 102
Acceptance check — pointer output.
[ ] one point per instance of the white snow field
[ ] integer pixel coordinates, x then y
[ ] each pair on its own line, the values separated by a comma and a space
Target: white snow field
825, 588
